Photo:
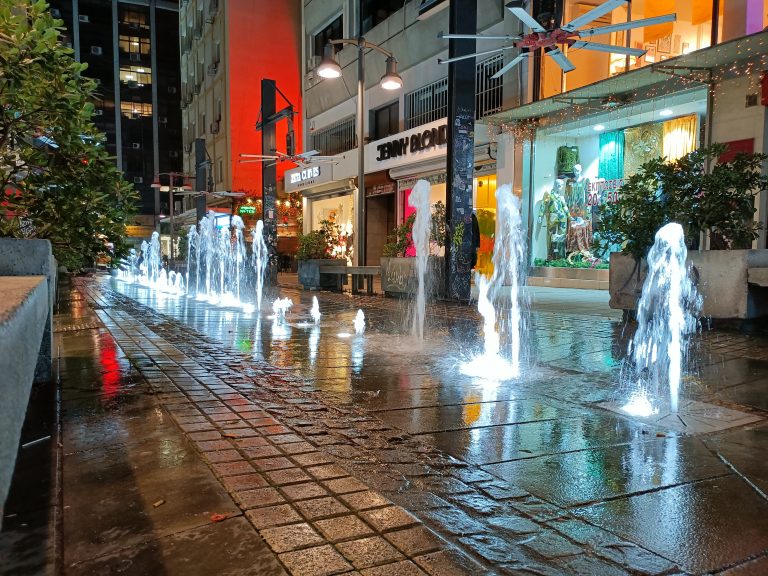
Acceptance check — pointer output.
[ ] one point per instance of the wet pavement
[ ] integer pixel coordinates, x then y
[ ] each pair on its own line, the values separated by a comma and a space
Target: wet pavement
330, 453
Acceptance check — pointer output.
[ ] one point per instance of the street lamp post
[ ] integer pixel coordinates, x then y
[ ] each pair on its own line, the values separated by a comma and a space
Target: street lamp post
391, 80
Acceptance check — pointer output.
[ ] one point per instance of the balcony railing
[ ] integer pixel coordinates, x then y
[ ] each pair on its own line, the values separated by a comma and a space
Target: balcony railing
335, 138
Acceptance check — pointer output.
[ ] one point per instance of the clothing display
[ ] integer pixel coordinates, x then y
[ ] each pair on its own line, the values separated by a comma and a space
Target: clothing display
611, 160
553, 216
567, 158
641, 144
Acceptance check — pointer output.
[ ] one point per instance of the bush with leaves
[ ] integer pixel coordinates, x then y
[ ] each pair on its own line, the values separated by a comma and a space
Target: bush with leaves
327, 242
720, 202
59, 183
400, 239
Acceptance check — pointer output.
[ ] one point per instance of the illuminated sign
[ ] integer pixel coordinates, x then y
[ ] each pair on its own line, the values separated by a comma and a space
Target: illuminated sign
305, 174
414, 143
247, 209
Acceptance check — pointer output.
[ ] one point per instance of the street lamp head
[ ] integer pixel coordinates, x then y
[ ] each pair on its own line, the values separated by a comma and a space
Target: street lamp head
328, 68
391, 80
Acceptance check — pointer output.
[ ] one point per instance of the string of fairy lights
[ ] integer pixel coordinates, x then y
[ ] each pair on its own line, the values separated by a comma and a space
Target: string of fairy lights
749, 62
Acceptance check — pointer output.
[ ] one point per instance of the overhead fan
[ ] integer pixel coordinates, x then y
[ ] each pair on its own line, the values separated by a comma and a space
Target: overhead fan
567, 34
303, 159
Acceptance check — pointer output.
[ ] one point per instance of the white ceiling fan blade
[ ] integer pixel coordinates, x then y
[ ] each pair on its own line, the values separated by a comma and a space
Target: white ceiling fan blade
594, 14
259, 161
524, 17
475, 55
309, 154
257, 156
561, 59
511, 64
597, 47
627, 25
478, 37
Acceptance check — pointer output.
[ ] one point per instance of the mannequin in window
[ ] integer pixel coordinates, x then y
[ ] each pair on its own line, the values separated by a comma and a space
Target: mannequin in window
553, 213
576, 190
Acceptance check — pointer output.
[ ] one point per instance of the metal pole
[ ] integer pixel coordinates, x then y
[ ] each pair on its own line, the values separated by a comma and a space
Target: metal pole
360, 199
170, 212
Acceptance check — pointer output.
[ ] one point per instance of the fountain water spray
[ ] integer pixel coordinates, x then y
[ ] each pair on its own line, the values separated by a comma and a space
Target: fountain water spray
667, 316
315, 312
419, 199
280, 307
359, 322
503, 322
259, 257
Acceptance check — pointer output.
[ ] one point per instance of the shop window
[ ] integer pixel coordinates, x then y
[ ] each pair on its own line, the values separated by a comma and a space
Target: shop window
385, 121
134, 45
691, 31
374, 12
135, 110
333, 31
138, 75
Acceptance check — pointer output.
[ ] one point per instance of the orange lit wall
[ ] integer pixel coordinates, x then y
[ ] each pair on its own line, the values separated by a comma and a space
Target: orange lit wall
264, 42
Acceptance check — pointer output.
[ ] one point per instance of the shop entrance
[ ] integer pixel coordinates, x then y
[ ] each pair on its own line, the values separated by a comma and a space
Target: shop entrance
380, 220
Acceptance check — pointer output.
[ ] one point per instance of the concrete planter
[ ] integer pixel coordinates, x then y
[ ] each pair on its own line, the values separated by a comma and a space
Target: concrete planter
722, 281
310, 277
398, 276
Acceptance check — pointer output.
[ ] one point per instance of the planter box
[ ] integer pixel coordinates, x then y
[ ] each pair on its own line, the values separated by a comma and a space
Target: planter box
398, 276
311, 279
722, 282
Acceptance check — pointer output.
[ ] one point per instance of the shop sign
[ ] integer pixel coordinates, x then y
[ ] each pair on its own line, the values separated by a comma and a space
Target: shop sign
138, 231
413, 144
379, 189
246, 210
300, 178
604, 191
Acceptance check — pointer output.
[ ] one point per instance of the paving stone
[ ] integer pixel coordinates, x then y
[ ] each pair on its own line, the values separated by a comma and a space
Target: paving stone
311, 458
591, 566
448, 563
287, 476
266, 464
318, 508
344, 485
223, 456
503, 491
414, 541
212, 445
454, 521
233, 468
369, 552
244, 482
364, 500
403, 568
551, 545
262, 451
343, 528
271, 516
258, 497
390, 518
296, 448
303, 491
327, 472
243, 432
291, 537
317, 561
514, 524
477, 502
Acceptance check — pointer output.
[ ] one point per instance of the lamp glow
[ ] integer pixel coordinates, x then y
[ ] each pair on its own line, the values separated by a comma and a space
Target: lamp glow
328, 67
598, 127
391, 80
665, 112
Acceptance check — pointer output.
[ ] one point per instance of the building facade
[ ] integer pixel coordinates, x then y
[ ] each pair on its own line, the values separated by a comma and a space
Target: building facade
227, 49
132, 51
698, 82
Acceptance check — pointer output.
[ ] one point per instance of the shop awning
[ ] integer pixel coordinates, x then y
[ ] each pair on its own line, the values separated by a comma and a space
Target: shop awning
696, 65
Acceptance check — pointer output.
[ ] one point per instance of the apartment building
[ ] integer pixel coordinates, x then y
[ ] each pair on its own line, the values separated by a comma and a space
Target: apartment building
132, 51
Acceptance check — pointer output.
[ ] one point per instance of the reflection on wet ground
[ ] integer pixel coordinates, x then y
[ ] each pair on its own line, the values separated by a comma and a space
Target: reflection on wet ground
670, 493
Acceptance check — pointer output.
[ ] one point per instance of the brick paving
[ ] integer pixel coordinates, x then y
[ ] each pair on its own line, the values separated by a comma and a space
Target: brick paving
313, 479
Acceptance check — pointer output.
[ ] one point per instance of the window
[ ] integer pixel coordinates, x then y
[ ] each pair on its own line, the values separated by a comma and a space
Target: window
385, 121
139, 74
426, 104
135, 109
135, 19
335, 138
220, 175
374, 12
334, 31
134, 44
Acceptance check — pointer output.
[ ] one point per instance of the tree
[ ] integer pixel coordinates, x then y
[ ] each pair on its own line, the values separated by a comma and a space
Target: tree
58, 181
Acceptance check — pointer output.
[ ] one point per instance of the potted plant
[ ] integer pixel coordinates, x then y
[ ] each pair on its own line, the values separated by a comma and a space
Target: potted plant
398, 273
322, 249
716, 209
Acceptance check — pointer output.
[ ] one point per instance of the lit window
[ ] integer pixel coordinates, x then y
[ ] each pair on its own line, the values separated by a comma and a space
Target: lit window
140, 75
134, 44
135, 109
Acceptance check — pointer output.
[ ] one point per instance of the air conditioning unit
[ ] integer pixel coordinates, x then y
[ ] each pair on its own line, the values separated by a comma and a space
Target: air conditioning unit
213, 68
135, 57
215, 127
83, 18
98, 112
138, 180
188, 148
173, 154
136, 146
55, 12
96, 50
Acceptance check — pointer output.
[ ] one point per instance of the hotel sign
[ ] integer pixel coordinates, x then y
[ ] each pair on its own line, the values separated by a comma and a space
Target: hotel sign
305, 177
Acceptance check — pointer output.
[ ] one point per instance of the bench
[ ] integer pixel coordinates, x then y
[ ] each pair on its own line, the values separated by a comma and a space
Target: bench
358, 273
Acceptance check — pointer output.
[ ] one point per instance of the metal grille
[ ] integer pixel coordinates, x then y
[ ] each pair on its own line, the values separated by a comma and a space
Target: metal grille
335, 138
488, 98
426, 104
